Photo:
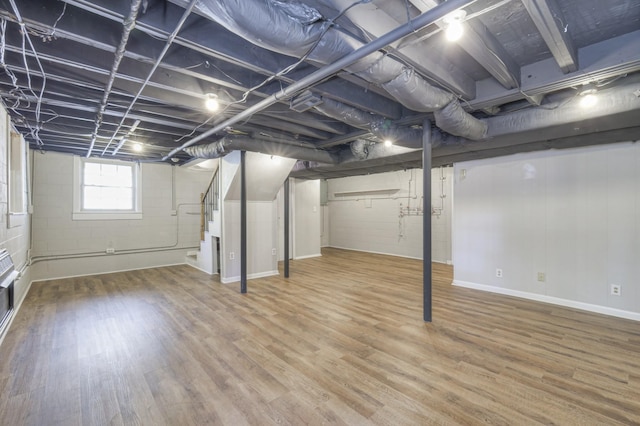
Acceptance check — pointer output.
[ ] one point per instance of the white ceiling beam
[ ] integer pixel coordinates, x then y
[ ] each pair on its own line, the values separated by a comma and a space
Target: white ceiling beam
547, 17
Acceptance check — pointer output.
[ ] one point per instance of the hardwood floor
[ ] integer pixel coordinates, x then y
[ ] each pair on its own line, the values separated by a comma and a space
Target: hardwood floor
340, 342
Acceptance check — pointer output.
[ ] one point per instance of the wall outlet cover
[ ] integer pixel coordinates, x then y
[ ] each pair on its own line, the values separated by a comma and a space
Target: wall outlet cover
499, 273
615, 289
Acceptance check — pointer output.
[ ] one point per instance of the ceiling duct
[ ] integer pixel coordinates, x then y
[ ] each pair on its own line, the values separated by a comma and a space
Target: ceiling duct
378, 125
295, 29
236, 143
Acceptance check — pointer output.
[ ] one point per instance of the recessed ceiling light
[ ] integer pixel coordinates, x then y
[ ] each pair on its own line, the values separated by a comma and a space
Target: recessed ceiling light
137, 147
454, 22
211, 102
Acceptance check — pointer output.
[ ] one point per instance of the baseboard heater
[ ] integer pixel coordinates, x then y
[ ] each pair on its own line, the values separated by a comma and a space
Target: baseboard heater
8, 276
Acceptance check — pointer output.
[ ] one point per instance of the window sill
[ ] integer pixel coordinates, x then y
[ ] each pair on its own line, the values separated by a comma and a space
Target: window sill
106, 216
16, 219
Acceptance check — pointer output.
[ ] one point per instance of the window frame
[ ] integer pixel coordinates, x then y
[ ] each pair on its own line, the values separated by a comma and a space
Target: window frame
17, 173
79, 213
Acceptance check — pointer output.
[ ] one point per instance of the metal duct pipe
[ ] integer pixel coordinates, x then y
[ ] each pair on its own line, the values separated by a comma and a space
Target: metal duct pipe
234, 143
128, 25
321, 74
617, 107
296, 29
378, 125
172, 37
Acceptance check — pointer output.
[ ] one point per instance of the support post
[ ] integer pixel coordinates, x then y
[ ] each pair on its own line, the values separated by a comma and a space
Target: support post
243, 223
426, 220
286, 228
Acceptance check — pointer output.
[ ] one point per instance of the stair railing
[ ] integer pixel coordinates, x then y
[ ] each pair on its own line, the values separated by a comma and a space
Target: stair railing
208, 204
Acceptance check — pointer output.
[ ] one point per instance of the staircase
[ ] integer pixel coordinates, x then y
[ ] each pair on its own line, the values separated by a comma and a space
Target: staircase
207, 258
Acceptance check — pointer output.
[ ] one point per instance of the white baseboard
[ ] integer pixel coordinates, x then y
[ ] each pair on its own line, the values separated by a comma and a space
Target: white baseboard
115, 271
448, 262
552, 300
200, 269
309, 256
235, 279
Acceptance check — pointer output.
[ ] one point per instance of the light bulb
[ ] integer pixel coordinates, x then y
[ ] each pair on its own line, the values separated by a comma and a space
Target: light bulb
137, 147
453, 21
454, 30
388, 143
588, 100
212, 103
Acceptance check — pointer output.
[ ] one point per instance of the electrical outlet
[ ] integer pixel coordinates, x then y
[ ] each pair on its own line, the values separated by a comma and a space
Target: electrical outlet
232, 255
110, 250
542, 277
615, 290
273, 251
499, 273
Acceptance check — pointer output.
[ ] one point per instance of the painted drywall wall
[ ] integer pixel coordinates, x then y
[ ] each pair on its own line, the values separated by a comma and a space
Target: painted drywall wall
264, 179
306, 216
63, 247
264, 173
571, 215
14, 229
261, 240
365, 213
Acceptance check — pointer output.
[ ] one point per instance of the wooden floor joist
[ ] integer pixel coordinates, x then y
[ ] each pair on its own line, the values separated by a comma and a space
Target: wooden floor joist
341, 342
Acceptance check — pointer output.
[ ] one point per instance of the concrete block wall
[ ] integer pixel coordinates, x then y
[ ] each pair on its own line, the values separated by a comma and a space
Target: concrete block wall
169, 228
369, 220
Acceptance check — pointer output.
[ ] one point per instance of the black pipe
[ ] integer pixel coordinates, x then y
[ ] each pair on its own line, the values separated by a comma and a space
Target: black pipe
243, 223
286, 228
426, 220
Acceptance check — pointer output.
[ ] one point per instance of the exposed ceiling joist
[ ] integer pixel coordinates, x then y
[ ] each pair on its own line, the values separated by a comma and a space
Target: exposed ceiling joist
483, 47
509, 69
548, 18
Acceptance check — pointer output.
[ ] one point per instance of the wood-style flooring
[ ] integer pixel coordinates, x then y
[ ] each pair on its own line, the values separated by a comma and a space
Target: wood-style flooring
340, 342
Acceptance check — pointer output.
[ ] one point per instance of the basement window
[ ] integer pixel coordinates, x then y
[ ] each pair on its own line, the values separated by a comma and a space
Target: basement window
106, 190
17, 180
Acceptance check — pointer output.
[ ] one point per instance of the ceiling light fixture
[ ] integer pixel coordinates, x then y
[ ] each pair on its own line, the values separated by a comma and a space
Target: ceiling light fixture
137, 147
588, 96
388, 142
454, 22
211, 102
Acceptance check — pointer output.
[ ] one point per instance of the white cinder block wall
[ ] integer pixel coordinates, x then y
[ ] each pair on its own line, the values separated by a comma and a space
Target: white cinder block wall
364, 213
572, 215
160, 238
14, 233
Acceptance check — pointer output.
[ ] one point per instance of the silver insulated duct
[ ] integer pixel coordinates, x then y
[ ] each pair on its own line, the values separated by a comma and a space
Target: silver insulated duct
294, 29
234, 143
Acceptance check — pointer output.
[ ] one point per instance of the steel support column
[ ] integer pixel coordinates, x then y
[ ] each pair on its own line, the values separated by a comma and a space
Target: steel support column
243, 223
426, 220
286, 228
